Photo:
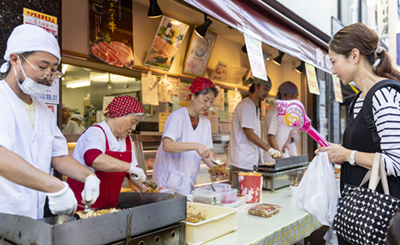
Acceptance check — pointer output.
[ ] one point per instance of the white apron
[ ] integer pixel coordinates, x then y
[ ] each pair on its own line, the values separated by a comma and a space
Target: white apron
177, 172
36, 145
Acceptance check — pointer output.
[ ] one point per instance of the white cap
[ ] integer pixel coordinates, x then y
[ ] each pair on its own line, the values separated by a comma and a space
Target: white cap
77, 116
29, 38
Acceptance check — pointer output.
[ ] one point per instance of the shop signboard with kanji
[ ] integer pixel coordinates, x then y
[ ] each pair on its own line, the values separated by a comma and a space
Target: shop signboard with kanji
110, 33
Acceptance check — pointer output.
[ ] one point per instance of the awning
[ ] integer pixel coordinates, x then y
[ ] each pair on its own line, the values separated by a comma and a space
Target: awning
254, 18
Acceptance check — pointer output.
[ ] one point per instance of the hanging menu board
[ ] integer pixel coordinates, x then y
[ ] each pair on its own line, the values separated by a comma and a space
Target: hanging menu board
256, 58
110, 33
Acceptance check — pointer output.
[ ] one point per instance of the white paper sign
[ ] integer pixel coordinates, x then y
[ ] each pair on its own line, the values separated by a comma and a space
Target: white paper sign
228, 73
254, 51
233, 99
383, 18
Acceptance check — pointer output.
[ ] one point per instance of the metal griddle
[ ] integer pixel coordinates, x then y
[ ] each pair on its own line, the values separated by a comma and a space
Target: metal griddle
284, 164
158, 210
279, 175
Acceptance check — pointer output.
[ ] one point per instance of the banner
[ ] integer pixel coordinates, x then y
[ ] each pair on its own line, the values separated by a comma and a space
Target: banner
47, 22
110, 32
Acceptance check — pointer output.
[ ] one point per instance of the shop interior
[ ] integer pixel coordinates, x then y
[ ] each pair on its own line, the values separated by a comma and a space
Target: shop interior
88, 83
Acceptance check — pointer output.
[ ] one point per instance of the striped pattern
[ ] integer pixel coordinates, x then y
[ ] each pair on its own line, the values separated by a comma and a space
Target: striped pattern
386, 109
289, 226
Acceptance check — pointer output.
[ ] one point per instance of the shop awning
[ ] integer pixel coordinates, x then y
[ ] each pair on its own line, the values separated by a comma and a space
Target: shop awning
264, 23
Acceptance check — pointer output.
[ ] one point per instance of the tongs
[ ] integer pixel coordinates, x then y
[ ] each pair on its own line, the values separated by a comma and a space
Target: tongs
87, 207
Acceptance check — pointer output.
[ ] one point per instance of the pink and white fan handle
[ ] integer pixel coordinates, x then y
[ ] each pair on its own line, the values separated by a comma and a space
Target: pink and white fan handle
292, 113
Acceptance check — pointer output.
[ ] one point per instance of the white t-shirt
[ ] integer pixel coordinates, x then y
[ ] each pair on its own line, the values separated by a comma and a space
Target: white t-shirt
242, 152
178, 171
272, 126
94, 138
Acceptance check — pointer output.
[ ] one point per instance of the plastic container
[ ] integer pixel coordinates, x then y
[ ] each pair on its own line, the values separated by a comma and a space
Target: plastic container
293, 190
264, 210
227, 196
218, 222
226, 187
233, 204
206, 196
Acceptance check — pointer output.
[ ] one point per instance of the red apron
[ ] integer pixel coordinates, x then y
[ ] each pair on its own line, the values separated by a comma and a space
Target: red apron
110, 182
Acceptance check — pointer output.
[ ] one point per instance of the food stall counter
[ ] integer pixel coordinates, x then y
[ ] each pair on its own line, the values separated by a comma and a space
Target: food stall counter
289, 226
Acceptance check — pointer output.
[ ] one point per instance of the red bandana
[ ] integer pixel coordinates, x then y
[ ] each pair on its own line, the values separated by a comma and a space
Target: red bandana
124, 105
200, 83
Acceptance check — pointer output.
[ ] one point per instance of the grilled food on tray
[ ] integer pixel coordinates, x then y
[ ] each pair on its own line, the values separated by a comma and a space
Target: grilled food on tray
93, 213
195, 218
218, 170
267, 164
264, 210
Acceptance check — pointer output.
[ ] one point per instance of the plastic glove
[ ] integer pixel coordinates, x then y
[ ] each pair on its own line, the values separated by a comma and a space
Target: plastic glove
137, 174
91, 191
62, 202
274, 153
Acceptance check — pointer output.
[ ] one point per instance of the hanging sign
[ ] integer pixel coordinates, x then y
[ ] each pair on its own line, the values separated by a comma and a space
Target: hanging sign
49, 23
312, 79
110, 32
338, 89
228, 73
233, 99
184, 92
162, 119
213, 116
383, 18
254, 51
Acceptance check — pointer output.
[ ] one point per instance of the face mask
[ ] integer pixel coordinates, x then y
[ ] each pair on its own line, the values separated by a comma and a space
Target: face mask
29, 86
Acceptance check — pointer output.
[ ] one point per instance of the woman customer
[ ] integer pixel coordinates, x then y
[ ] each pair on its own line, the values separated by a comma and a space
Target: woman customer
106, 148
356, 56
186, 141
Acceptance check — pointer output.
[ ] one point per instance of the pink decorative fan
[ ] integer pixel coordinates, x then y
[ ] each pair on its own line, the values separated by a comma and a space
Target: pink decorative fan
292, 114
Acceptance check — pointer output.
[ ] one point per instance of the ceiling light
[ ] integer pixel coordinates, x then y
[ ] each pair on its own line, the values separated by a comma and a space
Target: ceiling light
78, 85
64, 68
278, 59
202, 30
300, 68
244, 49
154, 10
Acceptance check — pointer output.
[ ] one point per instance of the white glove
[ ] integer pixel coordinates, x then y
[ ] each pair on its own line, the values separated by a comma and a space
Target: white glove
62, 202
91, 191
137, 174
274, 153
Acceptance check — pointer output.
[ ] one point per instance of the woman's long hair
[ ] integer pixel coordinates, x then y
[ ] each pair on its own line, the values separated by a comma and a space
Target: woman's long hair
366, 40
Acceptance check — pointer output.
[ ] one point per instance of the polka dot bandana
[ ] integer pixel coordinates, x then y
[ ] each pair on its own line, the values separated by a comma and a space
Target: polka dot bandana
122, 106
200, 83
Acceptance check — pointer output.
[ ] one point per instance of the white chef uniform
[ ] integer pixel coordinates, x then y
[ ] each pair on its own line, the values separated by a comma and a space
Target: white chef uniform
243, 153
37, 145
177, 172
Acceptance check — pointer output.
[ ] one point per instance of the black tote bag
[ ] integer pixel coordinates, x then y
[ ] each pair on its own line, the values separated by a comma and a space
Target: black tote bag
363, 214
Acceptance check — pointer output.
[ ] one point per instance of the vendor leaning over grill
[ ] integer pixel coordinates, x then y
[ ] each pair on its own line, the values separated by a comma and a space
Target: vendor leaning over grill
30, 141
186, 141
246, 145
106, 148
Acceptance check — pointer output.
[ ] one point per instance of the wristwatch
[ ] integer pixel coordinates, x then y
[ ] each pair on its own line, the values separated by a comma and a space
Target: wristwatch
352, 160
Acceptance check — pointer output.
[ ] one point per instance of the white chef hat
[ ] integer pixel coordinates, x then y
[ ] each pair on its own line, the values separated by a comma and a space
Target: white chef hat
77, 116
64, 106
28, 38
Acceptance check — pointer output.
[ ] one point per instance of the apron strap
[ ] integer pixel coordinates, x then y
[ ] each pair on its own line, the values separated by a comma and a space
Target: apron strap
98, 126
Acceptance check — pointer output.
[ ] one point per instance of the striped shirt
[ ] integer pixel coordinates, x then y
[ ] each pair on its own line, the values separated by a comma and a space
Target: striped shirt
386, 110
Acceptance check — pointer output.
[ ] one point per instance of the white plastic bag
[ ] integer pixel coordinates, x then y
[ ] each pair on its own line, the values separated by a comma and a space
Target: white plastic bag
318, 191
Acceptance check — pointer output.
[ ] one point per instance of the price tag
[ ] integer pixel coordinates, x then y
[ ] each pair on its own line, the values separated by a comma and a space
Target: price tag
338, 89
312, 79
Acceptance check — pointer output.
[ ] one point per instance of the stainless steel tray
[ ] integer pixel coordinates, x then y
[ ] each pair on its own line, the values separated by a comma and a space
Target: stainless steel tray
158, 210
284, 163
